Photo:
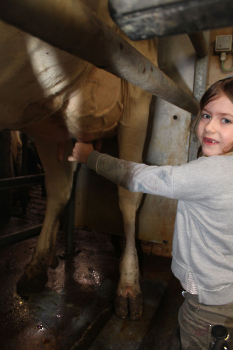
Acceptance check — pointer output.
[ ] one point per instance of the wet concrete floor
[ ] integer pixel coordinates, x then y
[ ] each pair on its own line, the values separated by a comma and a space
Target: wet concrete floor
75, 310
76, 305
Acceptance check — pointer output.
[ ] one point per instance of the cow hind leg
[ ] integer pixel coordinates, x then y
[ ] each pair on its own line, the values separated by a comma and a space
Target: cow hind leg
131, 138
58, 183
129, 297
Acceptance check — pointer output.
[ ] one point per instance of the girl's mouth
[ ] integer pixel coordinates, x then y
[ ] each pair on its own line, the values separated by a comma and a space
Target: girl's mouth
208, 141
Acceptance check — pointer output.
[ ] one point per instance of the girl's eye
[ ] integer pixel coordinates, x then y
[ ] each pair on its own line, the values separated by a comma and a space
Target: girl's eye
226, 121
206, 116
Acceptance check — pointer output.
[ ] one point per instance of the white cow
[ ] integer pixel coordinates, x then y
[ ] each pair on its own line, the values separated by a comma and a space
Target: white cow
54, 96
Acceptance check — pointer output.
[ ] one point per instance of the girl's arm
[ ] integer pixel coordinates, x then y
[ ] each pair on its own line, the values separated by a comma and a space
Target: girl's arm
194, 181
132, 176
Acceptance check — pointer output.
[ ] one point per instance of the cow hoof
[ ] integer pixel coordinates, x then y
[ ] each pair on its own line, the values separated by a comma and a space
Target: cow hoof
31, 285
121, 306
135, 306
55, 263
131, 304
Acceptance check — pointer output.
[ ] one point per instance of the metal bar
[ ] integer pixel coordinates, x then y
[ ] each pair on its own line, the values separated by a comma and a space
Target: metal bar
71, 215
71, 26
20, 236
23, 192
199, 44
155, 18
21, 181
199, 88
85, 342
24, 154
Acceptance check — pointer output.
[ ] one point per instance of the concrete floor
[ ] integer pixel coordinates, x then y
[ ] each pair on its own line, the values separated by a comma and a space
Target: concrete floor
75, 310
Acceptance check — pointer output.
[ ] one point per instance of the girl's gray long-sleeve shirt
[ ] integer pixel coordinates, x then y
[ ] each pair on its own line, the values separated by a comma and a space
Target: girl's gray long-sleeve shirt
203, 232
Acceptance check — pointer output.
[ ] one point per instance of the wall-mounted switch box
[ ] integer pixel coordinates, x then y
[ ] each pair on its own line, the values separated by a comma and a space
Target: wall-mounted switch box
223, 43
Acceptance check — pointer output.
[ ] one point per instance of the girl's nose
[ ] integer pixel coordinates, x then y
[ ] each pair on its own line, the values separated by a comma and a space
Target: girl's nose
211, 126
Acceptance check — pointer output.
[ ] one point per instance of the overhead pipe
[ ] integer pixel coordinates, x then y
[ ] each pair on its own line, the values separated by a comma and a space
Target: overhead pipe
199, 44
72, 27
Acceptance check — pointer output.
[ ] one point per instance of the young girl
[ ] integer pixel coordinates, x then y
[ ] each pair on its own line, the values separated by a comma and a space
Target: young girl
203, 234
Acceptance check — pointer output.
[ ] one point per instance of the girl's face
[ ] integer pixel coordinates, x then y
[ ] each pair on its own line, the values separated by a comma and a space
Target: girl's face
215, 128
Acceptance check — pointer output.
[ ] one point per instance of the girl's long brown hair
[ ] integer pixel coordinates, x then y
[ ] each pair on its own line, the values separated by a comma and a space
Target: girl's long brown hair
221, 87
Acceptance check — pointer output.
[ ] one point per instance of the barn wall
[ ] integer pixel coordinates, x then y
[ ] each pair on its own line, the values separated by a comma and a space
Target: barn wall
215, 72
167, 143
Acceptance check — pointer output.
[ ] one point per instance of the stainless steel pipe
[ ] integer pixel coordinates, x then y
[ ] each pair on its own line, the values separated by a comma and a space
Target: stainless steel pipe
72, 27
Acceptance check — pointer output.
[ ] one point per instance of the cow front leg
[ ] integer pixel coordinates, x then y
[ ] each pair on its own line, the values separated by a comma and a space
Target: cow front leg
58, 183
129, 297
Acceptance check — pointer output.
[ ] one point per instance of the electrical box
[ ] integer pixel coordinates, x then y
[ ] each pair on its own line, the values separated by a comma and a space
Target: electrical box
223, 43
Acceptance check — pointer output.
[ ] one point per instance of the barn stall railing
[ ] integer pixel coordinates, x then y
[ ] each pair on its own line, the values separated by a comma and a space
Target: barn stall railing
72, 27
22, 181
30, 180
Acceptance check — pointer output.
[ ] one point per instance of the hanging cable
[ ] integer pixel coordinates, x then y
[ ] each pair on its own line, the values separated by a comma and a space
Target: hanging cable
222, 60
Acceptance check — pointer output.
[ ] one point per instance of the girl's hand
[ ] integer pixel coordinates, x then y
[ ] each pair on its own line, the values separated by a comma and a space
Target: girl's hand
81, 152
